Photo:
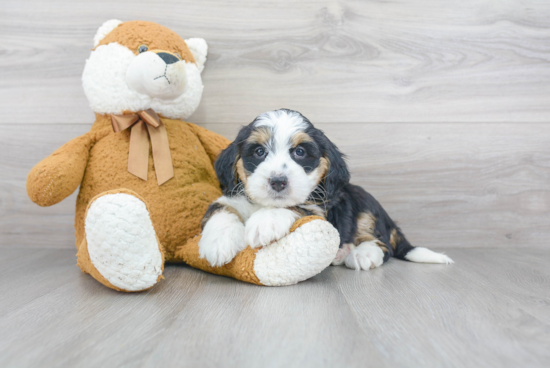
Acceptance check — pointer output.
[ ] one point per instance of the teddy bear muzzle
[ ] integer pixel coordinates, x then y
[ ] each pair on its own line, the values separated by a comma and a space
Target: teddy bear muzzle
158, 74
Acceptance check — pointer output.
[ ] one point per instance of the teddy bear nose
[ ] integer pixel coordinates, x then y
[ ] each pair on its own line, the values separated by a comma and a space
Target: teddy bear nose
168, 58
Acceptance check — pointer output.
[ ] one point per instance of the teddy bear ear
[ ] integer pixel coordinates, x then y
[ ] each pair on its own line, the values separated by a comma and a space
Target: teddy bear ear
199, 49
105, 29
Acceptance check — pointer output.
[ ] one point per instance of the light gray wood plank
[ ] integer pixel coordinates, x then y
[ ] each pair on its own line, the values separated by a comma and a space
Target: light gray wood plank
457, 315
448, 185
234, 325
10, 255
186, 319
338, 61
21, 221
520, 276
82, 323
488, 309
31, 273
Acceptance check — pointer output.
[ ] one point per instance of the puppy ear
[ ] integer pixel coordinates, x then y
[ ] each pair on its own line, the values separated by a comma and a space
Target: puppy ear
225, 168
338, 173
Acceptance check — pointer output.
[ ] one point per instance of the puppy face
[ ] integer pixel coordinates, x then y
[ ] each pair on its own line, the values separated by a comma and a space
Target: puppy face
278, 160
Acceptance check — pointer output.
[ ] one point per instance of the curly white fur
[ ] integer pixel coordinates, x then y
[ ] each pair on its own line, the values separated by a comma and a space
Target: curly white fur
199, 49
298, 256
122, 243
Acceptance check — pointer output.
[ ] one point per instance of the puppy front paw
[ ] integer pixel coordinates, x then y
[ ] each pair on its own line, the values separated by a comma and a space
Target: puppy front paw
222, 238
268, 225
365, 256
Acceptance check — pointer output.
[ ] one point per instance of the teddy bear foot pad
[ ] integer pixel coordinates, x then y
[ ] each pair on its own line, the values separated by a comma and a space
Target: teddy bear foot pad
284, 262
122, 243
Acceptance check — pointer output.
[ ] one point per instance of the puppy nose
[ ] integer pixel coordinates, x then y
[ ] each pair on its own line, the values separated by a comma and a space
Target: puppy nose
278, 183
168, 58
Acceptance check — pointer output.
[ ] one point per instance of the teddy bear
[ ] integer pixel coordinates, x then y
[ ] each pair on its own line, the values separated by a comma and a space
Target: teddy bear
146, 176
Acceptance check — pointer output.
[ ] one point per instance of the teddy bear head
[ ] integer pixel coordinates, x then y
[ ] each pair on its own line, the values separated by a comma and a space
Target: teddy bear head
140, 65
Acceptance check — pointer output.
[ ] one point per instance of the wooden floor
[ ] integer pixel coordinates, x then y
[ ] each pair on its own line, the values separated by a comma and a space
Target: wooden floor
489, 309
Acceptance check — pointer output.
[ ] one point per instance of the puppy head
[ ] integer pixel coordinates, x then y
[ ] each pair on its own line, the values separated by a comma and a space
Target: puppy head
280, 160
138, 65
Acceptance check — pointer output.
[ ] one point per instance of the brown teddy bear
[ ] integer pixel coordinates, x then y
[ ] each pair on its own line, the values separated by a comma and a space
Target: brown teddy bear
146, 176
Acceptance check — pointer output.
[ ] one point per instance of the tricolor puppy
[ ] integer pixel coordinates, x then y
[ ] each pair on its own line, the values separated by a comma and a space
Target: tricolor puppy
281, 168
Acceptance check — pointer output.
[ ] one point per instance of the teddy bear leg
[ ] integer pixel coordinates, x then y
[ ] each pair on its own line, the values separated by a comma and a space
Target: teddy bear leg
121, 249
306, 251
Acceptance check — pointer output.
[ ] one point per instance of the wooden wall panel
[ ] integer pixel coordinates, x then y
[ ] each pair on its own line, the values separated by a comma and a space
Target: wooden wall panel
448, 185
336, 61
22, 223
442, 106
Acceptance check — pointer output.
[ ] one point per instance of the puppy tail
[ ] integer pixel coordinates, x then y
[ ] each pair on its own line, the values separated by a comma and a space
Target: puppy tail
405, 251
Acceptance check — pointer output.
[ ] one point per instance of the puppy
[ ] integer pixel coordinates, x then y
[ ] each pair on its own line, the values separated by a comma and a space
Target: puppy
281, 168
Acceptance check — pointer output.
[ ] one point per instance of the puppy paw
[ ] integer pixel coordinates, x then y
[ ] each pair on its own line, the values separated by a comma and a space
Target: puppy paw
365, 256
342, 253
268, 225
222, 238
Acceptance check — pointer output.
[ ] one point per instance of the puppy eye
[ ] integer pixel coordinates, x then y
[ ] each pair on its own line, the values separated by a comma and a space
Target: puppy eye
142, 48
259, 152
299, 152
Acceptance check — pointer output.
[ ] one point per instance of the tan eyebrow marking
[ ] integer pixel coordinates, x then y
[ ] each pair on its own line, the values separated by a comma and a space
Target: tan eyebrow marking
260, 135
300, 137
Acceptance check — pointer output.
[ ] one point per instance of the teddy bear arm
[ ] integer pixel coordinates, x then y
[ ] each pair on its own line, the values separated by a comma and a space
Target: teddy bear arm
308, 249
213, 143
58, 175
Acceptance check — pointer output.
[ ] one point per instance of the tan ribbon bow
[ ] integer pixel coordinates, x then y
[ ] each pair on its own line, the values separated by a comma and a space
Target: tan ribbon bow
146, 126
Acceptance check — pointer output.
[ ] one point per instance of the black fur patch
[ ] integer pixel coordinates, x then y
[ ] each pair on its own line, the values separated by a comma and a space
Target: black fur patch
312, 156
250, 159
226, 161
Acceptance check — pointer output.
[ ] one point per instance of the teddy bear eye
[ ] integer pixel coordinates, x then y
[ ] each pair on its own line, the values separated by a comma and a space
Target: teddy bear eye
142, 48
